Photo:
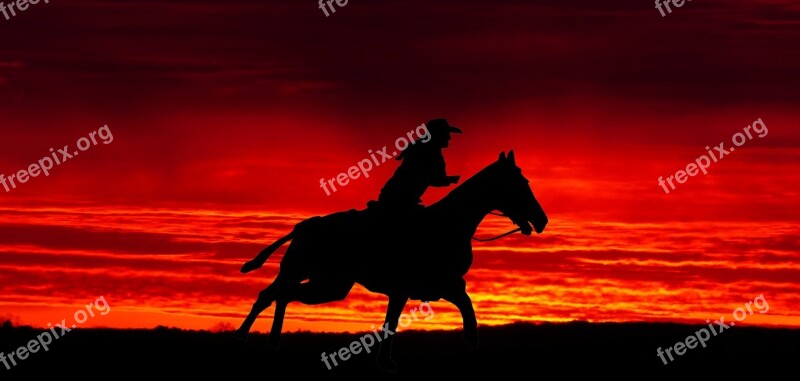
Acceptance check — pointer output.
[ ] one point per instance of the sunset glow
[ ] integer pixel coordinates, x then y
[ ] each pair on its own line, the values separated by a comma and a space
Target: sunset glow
219, 149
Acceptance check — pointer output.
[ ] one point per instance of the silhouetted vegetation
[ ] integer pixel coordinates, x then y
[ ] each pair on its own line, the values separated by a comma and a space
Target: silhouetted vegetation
619, 350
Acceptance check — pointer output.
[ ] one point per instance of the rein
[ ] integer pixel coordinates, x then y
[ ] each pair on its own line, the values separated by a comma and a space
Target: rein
499, 236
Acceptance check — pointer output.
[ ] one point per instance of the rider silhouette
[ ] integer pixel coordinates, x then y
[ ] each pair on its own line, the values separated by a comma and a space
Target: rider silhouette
423, 166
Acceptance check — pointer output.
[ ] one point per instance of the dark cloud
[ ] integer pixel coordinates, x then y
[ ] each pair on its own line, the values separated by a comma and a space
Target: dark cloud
452, 54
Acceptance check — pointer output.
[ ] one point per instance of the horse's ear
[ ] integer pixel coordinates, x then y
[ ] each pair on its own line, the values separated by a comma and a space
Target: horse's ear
511, 157
502, 156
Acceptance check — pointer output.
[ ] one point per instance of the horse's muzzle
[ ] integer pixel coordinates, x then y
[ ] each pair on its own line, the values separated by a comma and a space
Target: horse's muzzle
539, 227
525, 227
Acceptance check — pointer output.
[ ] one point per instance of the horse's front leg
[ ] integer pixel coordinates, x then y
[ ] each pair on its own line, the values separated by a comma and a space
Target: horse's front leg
396, 305
464, 304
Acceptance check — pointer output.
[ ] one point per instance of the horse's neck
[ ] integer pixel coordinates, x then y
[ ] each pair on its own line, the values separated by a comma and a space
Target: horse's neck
464, 208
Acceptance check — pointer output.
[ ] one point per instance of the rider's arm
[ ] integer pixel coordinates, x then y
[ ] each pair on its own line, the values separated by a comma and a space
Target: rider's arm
439, 177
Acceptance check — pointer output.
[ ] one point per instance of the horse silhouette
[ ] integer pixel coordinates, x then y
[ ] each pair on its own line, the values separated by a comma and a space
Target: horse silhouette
422, 255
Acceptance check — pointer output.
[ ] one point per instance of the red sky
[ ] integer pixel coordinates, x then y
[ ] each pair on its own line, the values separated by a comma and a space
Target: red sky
225, 117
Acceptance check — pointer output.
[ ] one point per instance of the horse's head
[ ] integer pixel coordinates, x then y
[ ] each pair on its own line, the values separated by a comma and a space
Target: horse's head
514, 197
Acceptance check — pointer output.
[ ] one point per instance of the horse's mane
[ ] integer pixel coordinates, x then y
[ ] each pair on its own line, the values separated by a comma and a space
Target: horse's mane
467, 185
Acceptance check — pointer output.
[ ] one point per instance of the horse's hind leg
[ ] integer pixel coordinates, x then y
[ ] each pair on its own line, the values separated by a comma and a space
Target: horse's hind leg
313, 292
322, 290
264, 300
464, 304
277, 323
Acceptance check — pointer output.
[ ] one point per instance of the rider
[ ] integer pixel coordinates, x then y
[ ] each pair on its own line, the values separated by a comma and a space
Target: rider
423, 166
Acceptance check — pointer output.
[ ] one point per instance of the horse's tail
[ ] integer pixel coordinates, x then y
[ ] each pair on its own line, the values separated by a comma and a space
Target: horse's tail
262, 257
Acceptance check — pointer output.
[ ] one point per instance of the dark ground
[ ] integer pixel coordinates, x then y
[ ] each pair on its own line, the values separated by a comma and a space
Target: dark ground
546, 351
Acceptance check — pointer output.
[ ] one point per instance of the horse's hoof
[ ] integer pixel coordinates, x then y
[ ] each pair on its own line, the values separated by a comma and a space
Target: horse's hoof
274, 343
471, 339
387, 365
241, 335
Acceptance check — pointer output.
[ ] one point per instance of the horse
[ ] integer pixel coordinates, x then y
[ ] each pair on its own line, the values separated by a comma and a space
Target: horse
329, 254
